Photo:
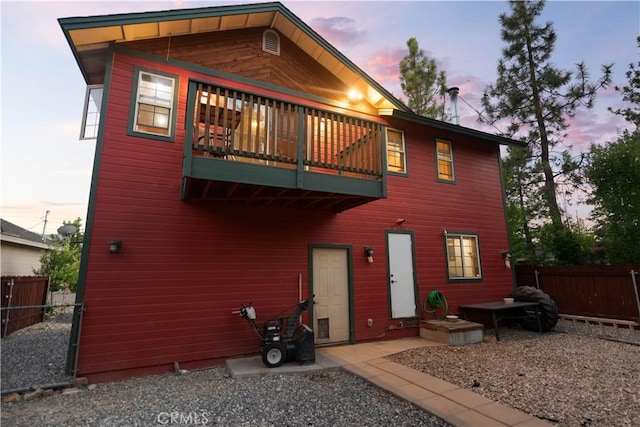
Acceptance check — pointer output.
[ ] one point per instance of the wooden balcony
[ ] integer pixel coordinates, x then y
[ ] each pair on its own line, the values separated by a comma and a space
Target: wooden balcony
249, 149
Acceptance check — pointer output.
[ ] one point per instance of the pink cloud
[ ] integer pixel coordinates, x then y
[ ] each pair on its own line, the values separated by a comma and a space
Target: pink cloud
341, 30
383, 66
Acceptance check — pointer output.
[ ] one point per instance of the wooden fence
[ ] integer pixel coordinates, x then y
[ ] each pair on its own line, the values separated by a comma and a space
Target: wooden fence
596, 291
22, 291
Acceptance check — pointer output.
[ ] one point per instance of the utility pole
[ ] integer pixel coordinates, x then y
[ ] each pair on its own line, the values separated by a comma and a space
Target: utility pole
44, 229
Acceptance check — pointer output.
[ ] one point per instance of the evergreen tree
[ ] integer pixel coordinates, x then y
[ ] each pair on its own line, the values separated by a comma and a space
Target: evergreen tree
422, 83
536, 98
523, 209
631, 94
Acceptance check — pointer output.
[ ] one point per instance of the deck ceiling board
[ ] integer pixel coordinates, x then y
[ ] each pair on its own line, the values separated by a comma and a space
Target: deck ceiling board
91, 36
204, 25
141, 31
234, 22
176, 28
288, 29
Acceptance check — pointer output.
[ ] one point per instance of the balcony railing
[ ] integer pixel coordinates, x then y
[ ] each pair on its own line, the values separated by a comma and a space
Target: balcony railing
249, 149
242, 127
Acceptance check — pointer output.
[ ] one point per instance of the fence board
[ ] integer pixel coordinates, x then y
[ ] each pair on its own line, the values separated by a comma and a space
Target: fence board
18, 291
595, 291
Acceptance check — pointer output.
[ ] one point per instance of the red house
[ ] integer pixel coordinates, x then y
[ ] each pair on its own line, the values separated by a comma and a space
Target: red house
233, 165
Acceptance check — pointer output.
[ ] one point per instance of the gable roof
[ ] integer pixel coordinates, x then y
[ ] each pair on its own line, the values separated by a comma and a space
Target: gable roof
10, 232
90, 37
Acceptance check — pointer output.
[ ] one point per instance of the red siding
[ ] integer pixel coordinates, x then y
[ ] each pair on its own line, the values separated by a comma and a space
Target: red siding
184, 267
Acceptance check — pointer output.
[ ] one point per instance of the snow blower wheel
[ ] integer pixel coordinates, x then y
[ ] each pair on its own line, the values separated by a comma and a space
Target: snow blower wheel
272, 355
548, 309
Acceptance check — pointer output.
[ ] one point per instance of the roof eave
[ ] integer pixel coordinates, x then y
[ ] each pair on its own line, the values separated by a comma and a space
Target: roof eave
24, 242
414, 118
78, 23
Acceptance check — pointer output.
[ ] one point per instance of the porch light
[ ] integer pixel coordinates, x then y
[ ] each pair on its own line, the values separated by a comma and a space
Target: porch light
354, 95
506, 256
368, 252
114, 246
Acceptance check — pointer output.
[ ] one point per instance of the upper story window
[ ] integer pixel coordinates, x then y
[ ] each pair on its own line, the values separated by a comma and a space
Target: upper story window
91, 112
396, 158
154, 108
463, 256
444, 160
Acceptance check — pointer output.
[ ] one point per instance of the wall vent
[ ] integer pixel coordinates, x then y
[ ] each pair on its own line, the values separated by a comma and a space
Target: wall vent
323, 329
271, 42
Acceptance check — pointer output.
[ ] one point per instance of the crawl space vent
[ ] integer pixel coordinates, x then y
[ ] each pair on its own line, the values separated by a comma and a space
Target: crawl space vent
271, 42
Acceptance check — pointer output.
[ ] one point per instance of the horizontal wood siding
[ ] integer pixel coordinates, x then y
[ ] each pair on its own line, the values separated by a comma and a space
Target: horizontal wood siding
292, 69
184, 267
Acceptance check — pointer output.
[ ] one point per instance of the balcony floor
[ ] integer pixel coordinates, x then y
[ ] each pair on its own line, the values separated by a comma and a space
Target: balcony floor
262, 195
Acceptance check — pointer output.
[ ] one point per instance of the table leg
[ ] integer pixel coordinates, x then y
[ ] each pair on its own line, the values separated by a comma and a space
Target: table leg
538, 314
495, 325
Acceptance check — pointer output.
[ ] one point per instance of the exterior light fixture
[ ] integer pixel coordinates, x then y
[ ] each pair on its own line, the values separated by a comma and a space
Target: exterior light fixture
506, 256
354, 96
115, 246
368, 252
400, 221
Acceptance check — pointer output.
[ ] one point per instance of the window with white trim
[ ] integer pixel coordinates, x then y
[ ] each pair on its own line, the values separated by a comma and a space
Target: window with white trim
91, 112
444, 159
463, 256
154, 104
396, 158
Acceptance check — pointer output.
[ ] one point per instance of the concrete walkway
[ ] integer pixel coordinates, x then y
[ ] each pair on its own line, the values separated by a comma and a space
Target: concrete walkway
457, 406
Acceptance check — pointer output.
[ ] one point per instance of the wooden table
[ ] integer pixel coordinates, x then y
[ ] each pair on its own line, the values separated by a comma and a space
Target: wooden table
500, 310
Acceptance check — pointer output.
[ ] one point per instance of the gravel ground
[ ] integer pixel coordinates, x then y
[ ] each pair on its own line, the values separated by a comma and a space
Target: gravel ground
36, 354
560, 376
211, 397
563, 377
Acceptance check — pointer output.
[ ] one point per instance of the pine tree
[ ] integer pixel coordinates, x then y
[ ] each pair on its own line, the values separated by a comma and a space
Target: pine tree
631, 94
537, 98
422, 83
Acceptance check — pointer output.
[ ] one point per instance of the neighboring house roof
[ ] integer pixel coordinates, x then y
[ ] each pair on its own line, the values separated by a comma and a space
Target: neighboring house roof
90, 37
12, 233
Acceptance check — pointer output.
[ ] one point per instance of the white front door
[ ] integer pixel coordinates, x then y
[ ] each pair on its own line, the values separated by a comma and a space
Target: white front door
330, 295
402, 287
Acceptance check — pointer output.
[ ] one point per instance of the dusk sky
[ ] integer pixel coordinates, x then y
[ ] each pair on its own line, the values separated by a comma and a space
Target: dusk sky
45, 167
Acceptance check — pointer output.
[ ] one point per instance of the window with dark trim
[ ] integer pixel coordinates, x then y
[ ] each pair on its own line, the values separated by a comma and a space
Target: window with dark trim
444, 159
91, 112
396, 158
154, 104
463, 256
